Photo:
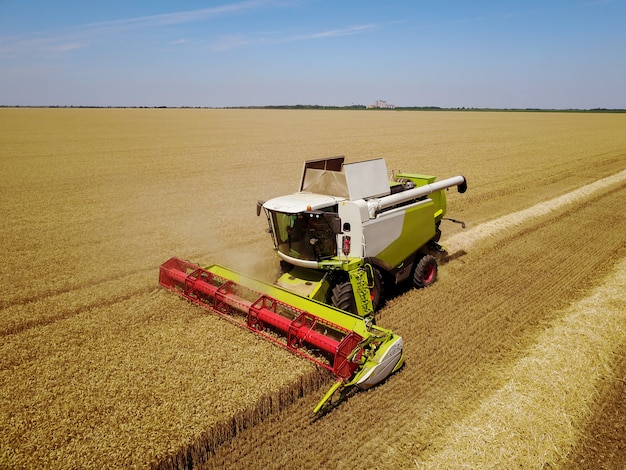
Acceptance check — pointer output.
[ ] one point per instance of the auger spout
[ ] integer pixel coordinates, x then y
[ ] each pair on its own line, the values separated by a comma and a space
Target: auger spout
375, 205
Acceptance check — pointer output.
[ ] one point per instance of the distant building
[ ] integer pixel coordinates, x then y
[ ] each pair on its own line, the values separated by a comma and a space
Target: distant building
382, 104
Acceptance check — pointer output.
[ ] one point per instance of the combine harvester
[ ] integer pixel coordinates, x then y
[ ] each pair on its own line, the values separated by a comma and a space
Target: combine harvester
345, 234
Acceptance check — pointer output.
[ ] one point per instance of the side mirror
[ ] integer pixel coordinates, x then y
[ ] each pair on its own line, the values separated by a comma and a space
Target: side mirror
259, 206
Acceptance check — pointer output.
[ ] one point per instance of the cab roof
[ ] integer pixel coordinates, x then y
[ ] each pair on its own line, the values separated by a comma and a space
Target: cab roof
300, 202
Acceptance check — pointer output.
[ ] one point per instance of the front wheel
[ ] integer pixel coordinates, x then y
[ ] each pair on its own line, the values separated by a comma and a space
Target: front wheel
425, 272
343, 294
343, 297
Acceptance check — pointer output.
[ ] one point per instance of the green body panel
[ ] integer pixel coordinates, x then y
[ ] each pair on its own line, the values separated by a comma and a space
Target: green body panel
331, 391
419, 224
348, 264
418, 228
438, 197
309, 283
314, 283
418, 179
372, 362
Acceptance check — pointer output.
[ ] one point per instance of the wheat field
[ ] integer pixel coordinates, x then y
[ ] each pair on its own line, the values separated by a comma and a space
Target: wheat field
515, 357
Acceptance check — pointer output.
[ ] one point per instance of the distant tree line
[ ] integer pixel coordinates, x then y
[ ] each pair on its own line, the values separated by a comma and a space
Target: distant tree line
351, 107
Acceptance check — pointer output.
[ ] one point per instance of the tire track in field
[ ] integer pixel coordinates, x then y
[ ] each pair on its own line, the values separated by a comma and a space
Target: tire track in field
526, 285
44, 294
71, 302
464, 240
55, 305
476, 317
541, 392
604, 440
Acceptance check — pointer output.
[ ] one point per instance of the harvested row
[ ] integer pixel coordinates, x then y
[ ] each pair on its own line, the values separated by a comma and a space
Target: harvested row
462, 335
539, 415
603, 442
50, 309
467, 238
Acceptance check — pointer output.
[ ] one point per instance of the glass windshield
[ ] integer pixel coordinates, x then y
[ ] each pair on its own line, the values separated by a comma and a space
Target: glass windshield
307, 236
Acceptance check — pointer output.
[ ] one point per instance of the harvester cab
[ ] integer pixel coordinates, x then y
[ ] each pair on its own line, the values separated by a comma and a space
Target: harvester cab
337, 237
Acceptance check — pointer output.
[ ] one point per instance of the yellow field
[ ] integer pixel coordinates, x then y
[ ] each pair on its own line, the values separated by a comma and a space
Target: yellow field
515, 357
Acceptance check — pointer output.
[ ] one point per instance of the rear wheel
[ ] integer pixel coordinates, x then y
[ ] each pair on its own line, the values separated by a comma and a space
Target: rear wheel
425, 272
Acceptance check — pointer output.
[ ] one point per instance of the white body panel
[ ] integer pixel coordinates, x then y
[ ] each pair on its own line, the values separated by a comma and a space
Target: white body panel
352, 214
381, 232
366, 179
358, 180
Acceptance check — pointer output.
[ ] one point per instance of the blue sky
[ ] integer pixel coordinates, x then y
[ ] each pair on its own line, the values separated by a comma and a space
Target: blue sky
450, 53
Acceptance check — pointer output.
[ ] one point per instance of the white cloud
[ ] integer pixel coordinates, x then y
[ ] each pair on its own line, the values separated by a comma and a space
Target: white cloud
234, 41
87, 34
179, 17
68, 46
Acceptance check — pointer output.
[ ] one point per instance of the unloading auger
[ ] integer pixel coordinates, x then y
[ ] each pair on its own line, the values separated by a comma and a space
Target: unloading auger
357, 352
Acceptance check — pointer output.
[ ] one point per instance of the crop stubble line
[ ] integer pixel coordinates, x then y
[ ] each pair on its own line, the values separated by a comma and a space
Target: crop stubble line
583, 342
616, 240
605, 433
66, 290
534, 287
565, 269
202, 447
463, 240
50, 302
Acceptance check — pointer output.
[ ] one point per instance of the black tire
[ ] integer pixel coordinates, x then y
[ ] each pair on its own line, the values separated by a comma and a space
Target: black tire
425, 272
285, 267
343, 294
343, 297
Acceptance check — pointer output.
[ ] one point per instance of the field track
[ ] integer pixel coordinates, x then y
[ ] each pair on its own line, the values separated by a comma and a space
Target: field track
516, 357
